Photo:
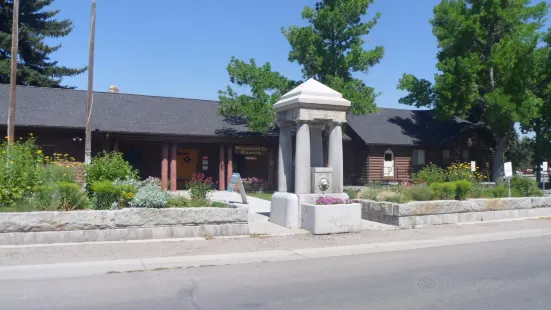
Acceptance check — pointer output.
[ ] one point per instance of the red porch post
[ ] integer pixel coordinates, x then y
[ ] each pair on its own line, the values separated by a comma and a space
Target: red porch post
230, 162
173, 173
164, 167
222, 170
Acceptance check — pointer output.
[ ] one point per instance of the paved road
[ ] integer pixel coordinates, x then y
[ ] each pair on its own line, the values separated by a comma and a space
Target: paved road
513, 274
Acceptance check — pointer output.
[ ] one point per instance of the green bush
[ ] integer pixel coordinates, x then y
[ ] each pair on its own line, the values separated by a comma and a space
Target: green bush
71, 197
178, 202
19, 170
462, 189
429, 174
443, 191
51, 174
44, 197
106, 194
109, 167
199, 187
421, 192
527, 187
369, 193
150, 197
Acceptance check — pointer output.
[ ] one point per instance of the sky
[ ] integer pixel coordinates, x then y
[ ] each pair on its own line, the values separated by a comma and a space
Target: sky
181, 48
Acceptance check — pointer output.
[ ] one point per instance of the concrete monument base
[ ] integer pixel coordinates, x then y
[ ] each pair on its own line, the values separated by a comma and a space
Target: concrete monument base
331, 219
285, 209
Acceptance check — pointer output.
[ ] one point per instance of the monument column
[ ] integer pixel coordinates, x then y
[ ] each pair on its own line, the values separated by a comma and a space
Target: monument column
335, 157
316, 147
302, 159
285, 159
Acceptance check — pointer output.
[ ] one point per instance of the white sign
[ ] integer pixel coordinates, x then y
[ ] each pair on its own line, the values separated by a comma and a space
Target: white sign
508, 167
236, 180
473, 166
544, 166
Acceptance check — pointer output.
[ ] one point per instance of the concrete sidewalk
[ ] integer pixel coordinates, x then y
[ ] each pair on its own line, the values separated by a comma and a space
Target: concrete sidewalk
276, 252
121, 250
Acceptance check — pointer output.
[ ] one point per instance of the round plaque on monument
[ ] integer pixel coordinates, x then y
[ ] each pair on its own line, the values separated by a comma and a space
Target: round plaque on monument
323, 184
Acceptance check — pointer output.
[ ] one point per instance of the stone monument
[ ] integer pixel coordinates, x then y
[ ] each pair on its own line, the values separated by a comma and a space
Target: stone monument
310, 108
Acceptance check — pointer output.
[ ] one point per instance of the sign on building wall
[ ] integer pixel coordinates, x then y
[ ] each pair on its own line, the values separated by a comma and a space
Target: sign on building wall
473, 166
251, 150
236, 181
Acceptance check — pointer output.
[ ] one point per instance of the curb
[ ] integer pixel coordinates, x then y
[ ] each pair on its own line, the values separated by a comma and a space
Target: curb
82, 269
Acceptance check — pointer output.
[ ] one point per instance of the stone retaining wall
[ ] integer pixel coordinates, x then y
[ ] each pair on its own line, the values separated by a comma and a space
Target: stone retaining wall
419, 213
125, 224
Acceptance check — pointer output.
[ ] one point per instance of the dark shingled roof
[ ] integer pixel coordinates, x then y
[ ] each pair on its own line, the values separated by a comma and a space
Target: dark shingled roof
138, 114
123, 113
406, 127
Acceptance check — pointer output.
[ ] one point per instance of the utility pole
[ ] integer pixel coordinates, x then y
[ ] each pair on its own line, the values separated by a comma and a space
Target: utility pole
88, 142
13, 72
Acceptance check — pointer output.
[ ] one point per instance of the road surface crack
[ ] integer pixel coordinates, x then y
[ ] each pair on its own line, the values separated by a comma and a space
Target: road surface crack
192, 293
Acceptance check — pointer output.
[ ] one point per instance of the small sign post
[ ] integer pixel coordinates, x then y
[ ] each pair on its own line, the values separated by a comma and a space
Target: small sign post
236, 180
544, 168
508, 167
473, 166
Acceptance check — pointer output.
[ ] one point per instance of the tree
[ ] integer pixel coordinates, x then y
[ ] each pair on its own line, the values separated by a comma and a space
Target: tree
520, 152
330, 49
35, 68
486, 62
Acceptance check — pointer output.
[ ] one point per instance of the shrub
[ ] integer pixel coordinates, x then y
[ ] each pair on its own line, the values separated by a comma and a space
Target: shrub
178, 202
369, 193
52, 173
129, 181
71, 197
499, 191
19, 170
109, 167
253, 184
527, 187
106, 194
443, 191
153, 181
421, 192
44, 197
462, 189
429, 174
479, 191
200, 187
390, 196
150, 197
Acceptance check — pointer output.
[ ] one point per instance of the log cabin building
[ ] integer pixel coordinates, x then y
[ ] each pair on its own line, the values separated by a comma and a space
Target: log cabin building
175, 138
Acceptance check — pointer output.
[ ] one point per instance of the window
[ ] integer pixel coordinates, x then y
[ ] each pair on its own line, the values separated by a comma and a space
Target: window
465, 155
388, 156
418, 157
446, 157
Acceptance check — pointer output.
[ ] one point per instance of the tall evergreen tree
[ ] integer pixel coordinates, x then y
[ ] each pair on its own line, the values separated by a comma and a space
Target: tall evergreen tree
487, 66
330, 48
36, 23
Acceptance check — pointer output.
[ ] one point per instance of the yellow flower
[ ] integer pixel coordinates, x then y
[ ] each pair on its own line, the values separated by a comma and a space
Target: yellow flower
67, 166
31, 134
65, 154
39, 152
11, 162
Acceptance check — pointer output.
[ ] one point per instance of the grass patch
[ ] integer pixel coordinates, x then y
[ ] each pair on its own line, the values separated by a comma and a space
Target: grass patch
208, 236
257, 235
265, 195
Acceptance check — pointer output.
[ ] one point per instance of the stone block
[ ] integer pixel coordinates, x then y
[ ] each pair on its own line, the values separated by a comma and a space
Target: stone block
434, 207
541, 202
143, 217
55, 221
284, 210
330, 219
